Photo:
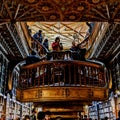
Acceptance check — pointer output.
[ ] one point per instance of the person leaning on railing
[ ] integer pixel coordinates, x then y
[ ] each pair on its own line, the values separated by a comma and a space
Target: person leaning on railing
57, 46
38, 36
32, 58
78, 53
45, 44
73, 49
74, 46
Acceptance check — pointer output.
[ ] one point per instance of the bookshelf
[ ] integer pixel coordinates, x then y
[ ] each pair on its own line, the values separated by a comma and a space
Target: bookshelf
93, 112
101, 110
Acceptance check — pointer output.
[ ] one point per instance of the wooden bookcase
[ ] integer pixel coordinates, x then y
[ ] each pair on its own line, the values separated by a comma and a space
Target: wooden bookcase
101, 110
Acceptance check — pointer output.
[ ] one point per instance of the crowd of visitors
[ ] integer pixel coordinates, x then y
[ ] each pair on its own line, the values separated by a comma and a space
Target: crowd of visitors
78, 52
47, 116
39, 37
41, 115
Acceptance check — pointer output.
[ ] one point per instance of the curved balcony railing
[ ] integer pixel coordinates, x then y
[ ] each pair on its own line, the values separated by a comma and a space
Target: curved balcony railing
63, 73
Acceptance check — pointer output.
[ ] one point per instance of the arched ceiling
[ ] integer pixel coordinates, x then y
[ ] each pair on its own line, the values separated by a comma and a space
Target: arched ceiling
67, 31
59, 10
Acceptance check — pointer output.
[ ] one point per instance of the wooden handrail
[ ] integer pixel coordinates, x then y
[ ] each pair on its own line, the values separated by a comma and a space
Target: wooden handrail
88, 63
63, 73
38, 47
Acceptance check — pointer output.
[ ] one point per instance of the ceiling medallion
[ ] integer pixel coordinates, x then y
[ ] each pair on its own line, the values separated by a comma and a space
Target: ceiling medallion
52, 17
95, 1
45, 8
80, 8
72, 17
31, 1
63, 8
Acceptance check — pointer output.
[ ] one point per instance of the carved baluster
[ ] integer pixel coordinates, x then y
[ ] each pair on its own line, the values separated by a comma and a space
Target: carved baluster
65, 57
75, 80
69, 71
96, 75
38, 80
84, 74
87, 76
79, 75
69, 56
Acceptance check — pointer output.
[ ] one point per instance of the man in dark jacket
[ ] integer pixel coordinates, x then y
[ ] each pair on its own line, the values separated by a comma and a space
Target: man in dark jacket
38, 36
32, 58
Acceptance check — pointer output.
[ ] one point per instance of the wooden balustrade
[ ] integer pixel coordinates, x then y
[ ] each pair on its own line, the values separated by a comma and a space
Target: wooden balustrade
62, 55
62, 73
60, 78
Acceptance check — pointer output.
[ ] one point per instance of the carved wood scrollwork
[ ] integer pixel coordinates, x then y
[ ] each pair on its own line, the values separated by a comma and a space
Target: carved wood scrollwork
59, 10
67, 91
60, 94
90, 94
63, 93
105, 94
21, 95
39, 94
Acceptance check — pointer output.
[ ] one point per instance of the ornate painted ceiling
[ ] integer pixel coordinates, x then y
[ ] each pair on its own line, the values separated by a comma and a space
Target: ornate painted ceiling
61, 14
59, 10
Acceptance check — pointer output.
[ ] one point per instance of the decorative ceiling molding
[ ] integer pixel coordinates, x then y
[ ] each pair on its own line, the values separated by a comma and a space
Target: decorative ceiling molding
60, 10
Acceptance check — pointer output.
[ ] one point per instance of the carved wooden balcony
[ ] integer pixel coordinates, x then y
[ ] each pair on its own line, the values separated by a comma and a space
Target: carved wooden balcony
62, 79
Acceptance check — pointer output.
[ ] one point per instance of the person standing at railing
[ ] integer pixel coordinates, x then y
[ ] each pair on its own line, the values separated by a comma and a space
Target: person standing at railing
32, 58
38, 36
57, 46
74, 46
46, 44
74, 50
